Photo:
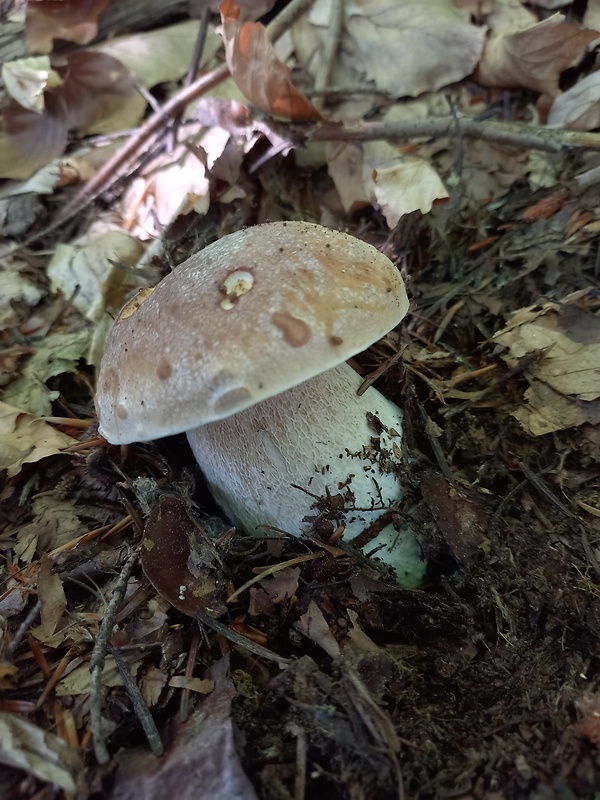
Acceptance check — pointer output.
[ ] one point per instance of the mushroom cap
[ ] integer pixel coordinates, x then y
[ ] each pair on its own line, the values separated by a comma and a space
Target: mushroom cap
251, 315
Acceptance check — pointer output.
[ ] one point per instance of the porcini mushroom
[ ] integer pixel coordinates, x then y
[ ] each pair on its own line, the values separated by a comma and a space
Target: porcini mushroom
243, 346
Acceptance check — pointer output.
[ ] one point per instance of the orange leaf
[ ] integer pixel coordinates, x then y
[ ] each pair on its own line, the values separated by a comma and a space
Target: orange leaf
259, 74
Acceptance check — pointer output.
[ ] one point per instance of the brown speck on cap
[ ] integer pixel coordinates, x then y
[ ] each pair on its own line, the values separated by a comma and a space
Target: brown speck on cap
294, 331
300, 299
164, 369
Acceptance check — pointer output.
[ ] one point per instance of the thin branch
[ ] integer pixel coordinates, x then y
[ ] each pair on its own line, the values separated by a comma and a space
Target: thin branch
98, 657
506, 133
240, 640
139, 705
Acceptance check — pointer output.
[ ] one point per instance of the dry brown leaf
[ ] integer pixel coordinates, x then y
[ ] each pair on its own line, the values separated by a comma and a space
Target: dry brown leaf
260, 75
579, 107
564, 387
38, 752
27, 79
97, 96
401, 48
30, 140
51, 595
314, 625
535, 57
201, 760
73, 20
25, 439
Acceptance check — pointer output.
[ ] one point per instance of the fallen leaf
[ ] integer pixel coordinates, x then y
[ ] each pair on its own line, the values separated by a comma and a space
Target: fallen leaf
533, 58
27, 79
51, 594
564, 381
314, 625
57, 353
201, 760
24, 439
179, 559
100, 263
254, 66
97, 95
577, 109
407, 184
38, 752
72, 20
175, 43
403, 49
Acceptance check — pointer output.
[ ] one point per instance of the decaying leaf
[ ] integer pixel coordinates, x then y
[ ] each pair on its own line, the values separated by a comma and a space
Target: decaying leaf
57, 353
72, 20
314, 625
402, 48
24, 439
98, 263
533, 58
27, 79
179, 559
51, 595
564, 378
254, 66
37, 752
201, 760
97, 95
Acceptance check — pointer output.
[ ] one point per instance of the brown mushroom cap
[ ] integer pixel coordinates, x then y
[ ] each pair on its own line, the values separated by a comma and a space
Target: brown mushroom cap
248, 317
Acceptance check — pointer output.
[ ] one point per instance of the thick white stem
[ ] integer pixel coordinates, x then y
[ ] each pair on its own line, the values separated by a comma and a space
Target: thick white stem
274, 463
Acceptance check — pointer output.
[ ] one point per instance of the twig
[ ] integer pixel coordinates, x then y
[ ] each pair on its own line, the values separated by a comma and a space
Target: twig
240, 640
272, 571
139, 705
539, 484
332, 43
506, 133
24, 627
98, 657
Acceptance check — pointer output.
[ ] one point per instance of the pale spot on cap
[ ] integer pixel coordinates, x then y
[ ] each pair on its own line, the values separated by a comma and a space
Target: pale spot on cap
122, 412
233, 400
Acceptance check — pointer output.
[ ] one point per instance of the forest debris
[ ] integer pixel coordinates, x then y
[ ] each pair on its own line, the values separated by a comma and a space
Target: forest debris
57, 353
314, 625
99, 263
51, 595
70, 20
200, 761
254, 66
15, 287
459, 513
532, 57
404, 49
38, 752
27, 79
97, 95
24, 439
564, 389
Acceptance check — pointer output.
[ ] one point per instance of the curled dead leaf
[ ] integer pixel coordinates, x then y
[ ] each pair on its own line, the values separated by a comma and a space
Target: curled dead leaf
259, 74
179, 560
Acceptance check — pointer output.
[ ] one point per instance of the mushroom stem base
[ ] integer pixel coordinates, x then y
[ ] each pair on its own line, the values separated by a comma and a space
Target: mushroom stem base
315, 452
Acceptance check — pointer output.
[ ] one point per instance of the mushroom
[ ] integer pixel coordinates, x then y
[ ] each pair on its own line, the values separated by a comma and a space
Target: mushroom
243, 346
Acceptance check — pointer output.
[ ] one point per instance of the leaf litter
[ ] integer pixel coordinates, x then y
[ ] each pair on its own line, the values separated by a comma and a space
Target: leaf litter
148, 648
